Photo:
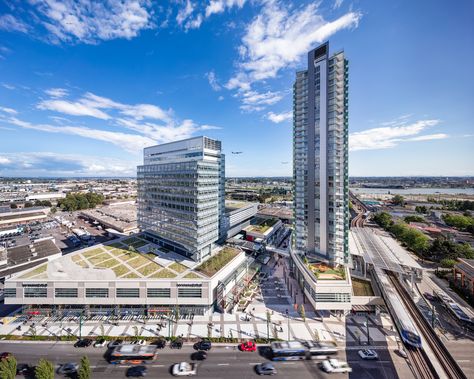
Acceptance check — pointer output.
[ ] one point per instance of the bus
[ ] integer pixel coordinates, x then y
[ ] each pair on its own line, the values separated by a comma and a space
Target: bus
134, 354
288, 351
319, 349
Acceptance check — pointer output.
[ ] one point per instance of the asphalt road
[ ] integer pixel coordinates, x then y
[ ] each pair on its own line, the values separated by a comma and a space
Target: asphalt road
222, 362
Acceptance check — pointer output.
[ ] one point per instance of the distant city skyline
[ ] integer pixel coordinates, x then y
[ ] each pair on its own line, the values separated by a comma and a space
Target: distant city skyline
84, 89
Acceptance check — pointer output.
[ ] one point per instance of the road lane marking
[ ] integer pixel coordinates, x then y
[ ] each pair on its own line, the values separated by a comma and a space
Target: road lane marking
223, 364
157, 365
288, 363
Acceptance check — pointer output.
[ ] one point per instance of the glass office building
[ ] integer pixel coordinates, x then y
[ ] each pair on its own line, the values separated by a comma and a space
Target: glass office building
181, 195
320, 157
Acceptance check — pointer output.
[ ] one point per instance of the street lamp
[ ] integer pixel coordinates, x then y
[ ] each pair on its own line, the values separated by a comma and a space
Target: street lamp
288, 317
368, 333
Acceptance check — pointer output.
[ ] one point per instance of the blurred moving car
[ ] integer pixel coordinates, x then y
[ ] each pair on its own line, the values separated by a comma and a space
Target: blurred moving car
136, 372
68, 369
368, 354
114, 343
334, 365
100, 342
199, 356
248, 346
85, 342
160, 343
184, 369
265, 369
203, 345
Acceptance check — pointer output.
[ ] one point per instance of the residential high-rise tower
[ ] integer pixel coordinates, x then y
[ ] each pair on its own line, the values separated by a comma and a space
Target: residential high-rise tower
320, 157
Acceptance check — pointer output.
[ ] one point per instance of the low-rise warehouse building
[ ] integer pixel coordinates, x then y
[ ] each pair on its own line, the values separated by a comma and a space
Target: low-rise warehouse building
119, 216
131, 276
12, 217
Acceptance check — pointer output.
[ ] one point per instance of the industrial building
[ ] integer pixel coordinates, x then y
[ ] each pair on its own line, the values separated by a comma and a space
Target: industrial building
238, 215
12, 217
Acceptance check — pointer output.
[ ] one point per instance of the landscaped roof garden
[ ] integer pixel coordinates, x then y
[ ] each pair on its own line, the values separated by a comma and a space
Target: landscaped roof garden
217, 262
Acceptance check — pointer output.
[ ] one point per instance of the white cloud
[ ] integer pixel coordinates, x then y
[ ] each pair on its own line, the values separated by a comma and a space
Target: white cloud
219, 6
72, 108
337, 4
279, 117
194, 23
8, 110
220, 98
278, 37
56, 92
390, 136
211, 77
48, 164
90, 21
185, 12
210, 127
9, 23
256, 101
8, 86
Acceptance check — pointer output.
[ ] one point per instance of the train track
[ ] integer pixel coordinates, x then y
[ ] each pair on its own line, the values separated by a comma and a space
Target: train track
358, 221
418, 357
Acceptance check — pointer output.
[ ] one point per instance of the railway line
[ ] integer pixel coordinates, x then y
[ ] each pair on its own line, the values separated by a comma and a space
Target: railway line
419, 359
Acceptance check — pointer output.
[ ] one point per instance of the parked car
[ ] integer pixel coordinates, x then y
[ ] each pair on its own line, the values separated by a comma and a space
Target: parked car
100, 342
184, 369
68, 369
199, 356
334, 365
160, 343
114, 343
24, 369
265, 369
85, 342
248, 346
368, 354
203, 345
136, 372
176, 344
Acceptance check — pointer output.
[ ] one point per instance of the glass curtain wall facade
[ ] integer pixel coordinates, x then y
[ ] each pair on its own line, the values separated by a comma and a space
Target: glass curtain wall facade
181, 195
320, 157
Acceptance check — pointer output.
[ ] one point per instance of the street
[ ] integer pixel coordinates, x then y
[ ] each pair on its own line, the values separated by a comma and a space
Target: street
222, 362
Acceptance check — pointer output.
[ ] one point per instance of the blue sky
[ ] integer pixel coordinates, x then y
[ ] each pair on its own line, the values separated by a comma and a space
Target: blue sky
84, 86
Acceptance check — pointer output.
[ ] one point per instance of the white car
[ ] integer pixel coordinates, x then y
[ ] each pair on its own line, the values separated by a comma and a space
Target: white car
184, 369
334, 365
101, 342
139, 342
368, 354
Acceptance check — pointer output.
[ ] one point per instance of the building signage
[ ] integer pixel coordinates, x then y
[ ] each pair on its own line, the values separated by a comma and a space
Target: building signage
189, 284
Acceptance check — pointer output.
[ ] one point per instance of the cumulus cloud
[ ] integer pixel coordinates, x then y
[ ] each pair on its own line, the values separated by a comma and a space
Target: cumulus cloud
219, 6
278, 37
279, 117
185, 12
256, 101
49, 163
387, 137
211, 77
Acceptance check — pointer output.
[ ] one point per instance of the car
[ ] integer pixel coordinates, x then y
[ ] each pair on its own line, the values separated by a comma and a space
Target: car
265, 369
136, 372
100, 342
199, 355
184, 369
68, 369
23, 368
176, 344
114, 343
203, 345
429, 296
368, 354
160, 343
334, 365
85, 342
248, 346
5, 355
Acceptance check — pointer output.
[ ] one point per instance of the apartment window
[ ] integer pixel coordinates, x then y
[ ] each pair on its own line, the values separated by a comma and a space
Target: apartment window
189, 292
333, 297
128, 292
35, 292
97, 292
65, 292
159, 292
9, 292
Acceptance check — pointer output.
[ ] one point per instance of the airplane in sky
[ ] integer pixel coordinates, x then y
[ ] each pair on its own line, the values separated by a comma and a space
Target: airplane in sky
237, 152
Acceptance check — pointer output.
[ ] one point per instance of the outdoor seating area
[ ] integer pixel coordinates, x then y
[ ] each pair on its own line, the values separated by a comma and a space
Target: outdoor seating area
324, 272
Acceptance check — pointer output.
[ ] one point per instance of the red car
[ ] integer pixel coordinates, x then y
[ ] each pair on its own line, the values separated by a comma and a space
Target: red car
248, 346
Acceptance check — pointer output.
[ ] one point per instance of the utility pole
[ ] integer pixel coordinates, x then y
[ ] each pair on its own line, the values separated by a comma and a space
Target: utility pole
80, 325
268, 326
288, 317
368, 333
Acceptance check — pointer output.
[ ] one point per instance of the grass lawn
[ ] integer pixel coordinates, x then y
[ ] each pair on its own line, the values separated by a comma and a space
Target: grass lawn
151, 255
117, 252
93, 252
139, 261
130, 275
362, 287
108, 263
128, 255
115, 245
38, 270
163, 274
215, 263
120, 270
178, 267
192, 275
94, 260
148, 269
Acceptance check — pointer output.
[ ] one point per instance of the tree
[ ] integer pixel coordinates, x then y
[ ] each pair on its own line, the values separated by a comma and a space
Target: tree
384, 219
421, 209
398, 200
448, 263
13, 206
8, 368
135, 331
102, 330
44, 370
414, 218
28, 204
53, 210
84, 368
